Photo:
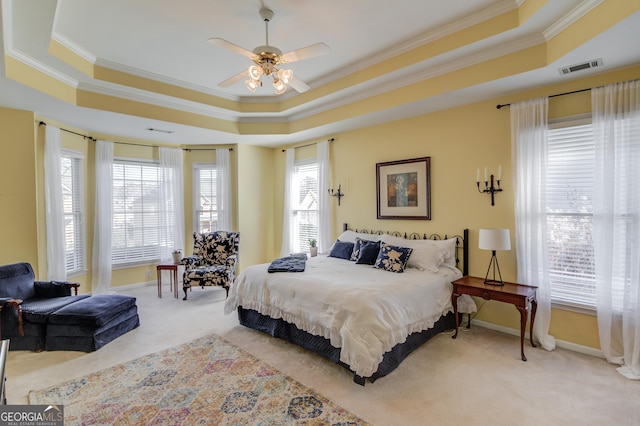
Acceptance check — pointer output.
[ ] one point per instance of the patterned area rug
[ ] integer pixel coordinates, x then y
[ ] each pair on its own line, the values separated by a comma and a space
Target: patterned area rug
204, 382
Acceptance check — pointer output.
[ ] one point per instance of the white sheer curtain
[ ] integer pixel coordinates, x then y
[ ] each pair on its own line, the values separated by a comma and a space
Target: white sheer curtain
101, 281
172, 198
286, 214
616, 222
324, 211
529, 124
56, 252
223, 189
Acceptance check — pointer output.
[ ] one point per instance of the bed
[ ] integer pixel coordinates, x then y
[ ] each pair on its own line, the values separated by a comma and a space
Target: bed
367, 318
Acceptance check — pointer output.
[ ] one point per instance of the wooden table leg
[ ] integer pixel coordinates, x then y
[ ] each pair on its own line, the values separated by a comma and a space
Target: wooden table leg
175, 282
534, 308
454, 301
523, 326
159, 274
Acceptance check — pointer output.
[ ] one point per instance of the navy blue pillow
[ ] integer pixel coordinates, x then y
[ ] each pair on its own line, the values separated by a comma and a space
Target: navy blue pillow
368, 252
392, 258
356, 248
341, 250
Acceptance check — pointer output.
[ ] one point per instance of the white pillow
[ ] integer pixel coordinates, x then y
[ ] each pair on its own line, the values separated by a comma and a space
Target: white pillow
450, 246
427, 255
350, 236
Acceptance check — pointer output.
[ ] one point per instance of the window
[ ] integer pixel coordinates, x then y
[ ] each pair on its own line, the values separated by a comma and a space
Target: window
138, 214
304, 205
204, 197
71, 170
570, 184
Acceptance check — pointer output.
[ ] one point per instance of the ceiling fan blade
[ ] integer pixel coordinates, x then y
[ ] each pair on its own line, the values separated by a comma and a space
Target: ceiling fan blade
312, 51
233, 47
234, 79
299, 85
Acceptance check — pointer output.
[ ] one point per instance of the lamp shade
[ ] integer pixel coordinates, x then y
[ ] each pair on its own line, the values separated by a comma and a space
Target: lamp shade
494, 239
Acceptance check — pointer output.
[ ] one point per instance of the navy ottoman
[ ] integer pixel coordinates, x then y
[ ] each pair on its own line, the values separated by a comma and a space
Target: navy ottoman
91, 323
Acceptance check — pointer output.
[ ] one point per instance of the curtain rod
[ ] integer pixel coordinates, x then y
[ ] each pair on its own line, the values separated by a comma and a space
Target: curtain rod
202, 149
551, 96
42, 123
309, 144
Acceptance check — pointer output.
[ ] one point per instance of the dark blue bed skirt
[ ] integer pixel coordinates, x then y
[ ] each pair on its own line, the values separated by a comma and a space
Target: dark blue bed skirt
320, 345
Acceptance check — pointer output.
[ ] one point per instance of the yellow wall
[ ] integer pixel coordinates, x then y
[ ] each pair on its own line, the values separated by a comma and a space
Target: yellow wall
255, 204
18, 188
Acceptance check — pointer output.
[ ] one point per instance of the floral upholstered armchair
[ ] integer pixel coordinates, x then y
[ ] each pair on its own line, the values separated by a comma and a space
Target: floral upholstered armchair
214, 259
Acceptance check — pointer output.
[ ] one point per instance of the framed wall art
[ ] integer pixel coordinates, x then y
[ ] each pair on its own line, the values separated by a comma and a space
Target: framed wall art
404, 189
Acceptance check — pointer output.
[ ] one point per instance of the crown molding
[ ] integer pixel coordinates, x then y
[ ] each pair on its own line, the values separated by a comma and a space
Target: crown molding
378, 87
156, 99
570, 18
422, 39
41, 67
73, 47
93, 59
163, 79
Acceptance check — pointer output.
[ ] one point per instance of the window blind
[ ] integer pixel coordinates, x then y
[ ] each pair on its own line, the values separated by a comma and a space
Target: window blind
137, 212
204, 197
305, 205
71, 170
569, 189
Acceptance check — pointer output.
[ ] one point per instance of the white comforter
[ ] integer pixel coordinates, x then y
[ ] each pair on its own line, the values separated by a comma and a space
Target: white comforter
360, 309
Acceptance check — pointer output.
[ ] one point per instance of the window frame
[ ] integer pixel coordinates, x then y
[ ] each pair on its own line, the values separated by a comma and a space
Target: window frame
119, 264
78, 197
589, 309
304, 245
196, 181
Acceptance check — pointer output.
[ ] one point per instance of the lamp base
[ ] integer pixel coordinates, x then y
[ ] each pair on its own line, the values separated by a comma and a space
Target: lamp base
493, 263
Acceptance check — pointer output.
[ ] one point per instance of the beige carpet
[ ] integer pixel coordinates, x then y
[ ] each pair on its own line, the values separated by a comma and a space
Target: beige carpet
477, 379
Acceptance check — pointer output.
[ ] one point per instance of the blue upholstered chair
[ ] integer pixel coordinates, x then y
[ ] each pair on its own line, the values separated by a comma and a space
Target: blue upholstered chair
214, 259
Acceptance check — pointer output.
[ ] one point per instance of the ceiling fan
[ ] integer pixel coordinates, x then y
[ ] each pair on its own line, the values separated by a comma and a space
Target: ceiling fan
267, 60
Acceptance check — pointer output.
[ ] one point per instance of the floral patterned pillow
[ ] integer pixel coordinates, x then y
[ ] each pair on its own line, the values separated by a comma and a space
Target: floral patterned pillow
392, 258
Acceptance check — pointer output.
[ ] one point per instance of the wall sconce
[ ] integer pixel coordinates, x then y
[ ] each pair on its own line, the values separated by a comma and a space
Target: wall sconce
489, 187
337, 193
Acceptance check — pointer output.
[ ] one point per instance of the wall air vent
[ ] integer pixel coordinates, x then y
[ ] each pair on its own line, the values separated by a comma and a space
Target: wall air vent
579, 67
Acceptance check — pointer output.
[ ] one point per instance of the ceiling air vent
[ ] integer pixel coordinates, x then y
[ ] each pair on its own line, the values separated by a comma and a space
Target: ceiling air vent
579, 67
151, 129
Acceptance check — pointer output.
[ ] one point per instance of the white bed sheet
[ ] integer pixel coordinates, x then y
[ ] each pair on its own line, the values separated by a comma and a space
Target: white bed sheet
362, 310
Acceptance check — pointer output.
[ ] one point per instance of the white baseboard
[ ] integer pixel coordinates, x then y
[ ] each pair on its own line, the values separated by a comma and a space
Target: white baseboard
559, 343
135, 285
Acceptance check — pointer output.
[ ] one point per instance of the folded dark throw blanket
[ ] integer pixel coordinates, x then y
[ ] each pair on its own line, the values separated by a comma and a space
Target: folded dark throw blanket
293, 263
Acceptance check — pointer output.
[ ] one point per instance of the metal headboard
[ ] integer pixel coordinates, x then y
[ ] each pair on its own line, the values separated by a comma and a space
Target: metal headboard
462, 242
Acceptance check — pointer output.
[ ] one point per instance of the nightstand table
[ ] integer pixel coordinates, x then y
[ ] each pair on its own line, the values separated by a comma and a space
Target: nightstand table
520, 295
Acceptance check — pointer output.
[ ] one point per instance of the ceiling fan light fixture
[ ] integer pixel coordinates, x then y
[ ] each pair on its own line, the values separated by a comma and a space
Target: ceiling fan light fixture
255, 72
279, 86
252, 84
285, 75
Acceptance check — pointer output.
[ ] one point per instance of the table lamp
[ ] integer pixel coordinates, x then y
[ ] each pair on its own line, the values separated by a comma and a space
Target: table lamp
494, 239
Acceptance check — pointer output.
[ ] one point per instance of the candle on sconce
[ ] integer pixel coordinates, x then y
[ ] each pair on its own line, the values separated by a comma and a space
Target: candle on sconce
478, 175
486, 176
499, 171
